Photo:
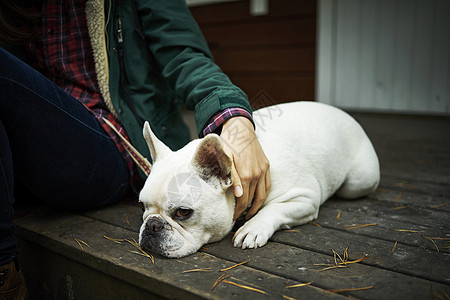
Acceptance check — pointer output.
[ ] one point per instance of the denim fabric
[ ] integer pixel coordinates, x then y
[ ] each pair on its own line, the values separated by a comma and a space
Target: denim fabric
54, 146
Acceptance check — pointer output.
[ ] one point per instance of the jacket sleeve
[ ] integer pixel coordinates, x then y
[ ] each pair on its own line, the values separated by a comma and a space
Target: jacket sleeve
186, 63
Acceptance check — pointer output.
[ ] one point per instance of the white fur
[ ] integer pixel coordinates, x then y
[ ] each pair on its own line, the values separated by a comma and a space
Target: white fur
314, 150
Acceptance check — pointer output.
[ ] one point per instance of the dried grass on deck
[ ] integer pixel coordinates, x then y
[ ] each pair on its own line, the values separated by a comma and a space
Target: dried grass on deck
344, 262
132, 242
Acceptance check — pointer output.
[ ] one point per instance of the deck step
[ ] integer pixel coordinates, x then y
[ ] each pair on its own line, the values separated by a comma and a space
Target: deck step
402, 251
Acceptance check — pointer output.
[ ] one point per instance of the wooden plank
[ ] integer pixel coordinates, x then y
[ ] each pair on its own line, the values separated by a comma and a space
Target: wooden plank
411, 197
385, 210
386, 228
405, 126
52, 276
56, 231
279, 88
327, 217
239, 11
359, 244
311, 238
282, 32
405, 259
414, 148
421, 188
410, 260
301, 265
294, 60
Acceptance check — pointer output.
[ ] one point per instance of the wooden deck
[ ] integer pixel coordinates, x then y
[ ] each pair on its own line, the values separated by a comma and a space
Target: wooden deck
405, 243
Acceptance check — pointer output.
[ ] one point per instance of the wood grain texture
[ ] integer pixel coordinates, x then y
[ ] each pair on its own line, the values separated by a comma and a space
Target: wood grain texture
275, 53
410, 209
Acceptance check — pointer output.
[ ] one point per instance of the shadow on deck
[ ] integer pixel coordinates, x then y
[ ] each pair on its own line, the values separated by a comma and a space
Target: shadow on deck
403, 247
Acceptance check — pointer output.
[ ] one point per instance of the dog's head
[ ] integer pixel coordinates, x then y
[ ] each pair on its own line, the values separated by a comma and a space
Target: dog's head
187, 199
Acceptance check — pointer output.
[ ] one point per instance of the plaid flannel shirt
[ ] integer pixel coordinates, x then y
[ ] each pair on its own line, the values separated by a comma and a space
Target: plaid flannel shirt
63, 53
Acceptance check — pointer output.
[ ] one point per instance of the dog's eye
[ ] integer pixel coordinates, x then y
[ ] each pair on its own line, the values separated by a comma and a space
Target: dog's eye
182, 213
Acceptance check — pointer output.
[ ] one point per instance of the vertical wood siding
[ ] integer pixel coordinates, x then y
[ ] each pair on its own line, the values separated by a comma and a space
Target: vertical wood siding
384, 55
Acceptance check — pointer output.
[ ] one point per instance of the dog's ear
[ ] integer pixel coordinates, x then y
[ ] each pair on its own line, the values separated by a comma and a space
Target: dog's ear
210, 161
157, 148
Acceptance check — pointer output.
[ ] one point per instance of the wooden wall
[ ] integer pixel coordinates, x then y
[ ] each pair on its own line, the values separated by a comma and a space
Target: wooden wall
274, 53
388, 55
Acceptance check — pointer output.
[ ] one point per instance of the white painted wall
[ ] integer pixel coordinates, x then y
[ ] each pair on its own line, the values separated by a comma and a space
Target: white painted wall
384, 55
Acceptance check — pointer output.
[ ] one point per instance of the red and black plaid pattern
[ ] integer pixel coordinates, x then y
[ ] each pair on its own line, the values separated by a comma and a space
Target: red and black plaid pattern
64, 55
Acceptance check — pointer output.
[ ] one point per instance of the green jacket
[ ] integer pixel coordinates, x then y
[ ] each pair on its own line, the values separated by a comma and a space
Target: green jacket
167, 63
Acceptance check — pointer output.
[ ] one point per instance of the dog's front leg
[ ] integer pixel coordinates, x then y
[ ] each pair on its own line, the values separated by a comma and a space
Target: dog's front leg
258, 230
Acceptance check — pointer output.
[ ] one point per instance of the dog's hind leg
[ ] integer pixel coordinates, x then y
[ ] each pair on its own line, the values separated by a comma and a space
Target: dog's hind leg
363, 176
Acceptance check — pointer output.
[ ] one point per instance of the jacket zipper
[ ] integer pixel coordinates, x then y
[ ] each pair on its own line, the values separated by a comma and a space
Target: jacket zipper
123, 77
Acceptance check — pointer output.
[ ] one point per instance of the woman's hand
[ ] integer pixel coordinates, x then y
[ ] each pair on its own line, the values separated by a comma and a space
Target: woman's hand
250, 167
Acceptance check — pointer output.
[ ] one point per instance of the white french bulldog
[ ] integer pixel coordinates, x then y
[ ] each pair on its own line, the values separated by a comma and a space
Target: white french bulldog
314, 150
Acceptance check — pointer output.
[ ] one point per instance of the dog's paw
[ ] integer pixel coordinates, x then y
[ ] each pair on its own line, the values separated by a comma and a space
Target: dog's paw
251, 235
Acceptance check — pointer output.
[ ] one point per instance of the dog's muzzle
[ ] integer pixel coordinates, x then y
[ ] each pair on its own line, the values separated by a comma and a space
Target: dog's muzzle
154, 225
156, 236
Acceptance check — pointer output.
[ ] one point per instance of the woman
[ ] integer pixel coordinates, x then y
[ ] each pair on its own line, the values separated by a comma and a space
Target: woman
123, 61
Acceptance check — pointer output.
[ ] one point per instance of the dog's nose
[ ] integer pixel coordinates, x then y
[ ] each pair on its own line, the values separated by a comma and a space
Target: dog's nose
154, 225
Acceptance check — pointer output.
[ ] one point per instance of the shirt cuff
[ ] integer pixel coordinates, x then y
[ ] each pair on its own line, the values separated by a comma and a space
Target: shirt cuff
220, 118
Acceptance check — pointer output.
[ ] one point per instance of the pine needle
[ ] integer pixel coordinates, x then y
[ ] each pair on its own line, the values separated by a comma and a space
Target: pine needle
137, 252
339, 215
400, 197
430, 239
360, 226
298, 285
218, 280
358, 260
446, 295
424, 236
234, 266
81, 243
349, 290
405, 185
336, 254
118, 241
333, 267
436, 295
439, 238
133, 243
439, 205
198, 270
145, 253
244, 286
406, 230
344, 262
395, 245
399, 207
315, 224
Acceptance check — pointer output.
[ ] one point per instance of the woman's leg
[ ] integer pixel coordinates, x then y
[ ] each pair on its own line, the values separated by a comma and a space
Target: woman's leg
54, 146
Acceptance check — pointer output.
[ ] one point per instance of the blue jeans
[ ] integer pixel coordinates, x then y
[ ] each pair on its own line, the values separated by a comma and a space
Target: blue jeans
54, 146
